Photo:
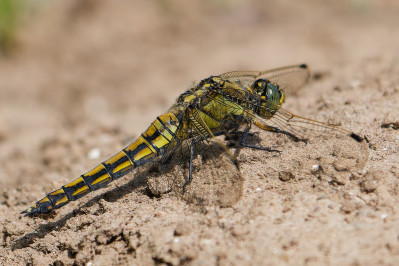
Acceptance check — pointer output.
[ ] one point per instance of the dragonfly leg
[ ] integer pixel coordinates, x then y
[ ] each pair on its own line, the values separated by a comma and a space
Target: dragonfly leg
166, 158
243, 143
265, 127
190, 172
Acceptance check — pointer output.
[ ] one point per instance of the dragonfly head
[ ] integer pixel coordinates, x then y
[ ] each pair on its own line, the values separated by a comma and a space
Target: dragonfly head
271, 97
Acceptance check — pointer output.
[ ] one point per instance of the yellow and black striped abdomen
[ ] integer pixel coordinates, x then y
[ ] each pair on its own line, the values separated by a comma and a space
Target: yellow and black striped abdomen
150, 144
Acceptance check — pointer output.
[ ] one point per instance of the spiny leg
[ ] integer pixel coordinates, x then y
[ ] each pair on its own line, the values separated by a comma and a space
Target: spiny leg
190, 173
265, 127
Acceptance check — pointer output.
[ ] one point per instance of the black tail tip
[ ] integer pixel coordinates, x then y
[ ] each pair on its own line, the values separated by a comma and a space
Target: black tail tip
31, 212
303, 66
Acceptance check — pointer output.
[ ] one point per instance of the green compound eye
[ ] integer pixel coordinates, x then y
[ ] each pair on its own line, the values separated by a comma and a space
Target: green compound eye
272, 93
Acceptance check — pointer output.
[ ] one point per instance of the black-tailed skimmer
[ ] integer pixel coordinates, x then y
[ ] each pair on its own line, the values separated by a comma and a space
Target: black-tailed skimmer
230, 103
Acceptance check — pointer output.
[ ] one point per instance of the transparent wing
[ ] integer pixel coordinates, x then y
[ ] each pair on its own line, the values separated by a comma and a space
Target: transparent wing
281, 119
304, 128
216, 180
289, 78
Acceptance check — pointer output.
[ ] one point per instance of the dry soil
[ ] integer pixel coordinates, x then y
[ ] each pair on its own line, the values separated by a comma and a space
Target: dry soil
89, 76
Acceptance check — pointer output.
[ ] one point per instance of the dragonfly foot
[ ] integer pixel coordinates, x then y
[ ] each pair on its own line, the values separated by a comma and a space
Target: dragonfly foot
184, 186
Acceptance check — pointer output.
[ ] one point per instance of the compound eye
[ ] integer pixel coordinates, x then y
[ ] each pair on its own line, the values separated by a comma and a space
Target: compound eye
269, 91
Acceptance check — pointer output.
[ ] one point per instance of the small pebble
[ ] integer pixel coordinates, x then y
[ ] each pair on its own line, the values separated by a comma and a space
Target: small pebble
315, 167
94, 153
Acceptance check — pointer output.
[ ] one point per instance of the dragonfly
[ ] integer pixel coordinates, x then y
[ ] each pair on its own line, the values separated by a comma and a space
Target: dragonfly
231, 103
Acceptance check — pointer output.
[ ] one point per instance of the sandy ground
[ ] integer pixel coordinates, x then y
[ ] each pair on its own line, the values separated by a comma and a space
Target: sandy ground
89, 76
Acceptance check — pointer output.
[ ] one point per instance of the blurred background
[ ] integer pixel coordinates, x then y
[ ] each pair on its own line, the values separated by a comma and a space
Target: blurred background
81, 74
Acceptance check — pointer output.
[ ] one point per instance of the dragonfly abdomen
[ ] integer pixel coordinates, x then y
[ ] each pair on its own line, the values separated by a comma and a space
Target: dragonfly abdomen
145, 148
